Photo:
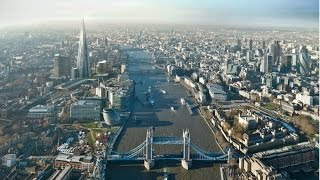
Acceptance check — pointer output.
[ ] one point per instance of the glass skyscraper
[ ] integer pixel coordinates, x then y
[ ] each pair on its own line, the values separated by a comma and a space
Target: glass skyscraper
83, 64
304, 61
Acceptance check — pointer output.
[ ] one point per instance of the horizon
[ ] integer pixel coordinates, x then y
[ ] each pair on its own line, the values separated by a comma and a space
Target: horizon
272, 13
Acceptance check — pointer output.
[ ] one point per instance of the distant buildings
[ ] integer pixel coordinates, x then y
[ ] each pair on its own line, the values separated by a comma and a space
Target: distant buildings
83, 64
86, 110
61, 66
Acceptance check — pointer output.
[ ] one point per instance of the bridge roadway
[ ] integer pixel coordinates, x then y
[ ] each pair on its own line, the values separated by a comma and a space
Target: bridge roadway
167, 123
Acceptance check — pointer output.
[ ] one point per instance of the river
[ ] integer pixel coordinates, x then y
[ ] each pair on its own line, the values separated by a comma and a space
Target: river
166, 123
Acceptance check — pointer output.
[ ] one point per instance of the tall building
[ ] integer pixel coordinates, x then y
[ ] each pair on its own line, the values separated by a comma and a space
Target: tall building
248, 56
61, 66
83, 64
286, 63
304, 61
239, 43
250, 44
263, 44
266, 64
275, 51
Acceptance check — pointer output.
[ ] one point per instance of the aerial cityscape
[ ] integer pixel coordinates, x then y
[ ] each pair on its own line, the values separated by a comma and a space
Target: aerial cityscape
159, 90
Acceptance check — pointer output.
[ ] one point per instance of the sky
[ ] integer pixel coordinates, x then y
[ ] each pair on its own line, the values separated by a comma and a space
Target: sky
292, 13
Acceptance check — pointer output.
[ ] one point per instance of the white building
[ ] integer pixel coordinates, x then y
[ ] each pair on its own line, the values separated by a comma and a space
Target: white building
189, 82
216, 92
247, 121
9, 160
305, 99
100, 92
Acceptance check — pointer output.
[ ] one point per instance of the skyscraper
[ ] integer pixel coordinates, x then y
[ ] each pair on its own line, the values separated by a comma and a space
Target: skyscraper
266, 64
304, 61
275, 51
61, 66
248, 56
239, 44
263, 44
83, 64
250, 44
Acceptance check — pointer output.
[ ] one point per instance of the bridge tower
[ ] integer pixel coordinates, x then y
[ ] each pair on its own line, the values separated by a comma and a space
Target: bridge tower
149, 161
230, 156
186, 162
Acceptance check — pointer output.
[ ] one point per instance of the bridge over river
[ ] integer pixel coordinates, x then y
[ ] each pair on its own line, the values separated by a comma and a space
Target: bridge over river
145, 152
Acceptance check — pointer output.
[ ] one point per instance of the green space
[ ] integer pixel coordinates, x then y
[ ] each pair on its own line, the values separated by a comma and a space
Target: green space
271, 106
90, 125
94, 130
306, 124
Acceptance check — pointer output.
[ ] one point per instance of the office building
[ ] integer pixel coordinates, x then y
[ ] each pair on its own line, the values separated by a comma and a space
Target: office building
41, 111
83, 64
275, 51
75, 162
216, 92
9, 160
74, 73
61, 66
239, 44
250, 44
286, 63
248, 56
304, 61
266, 64
263, 44
86, 110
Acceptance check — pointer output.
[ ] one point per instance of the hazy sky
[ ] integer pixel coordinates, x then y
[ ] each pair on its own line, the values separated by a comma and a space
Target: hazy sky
220, 12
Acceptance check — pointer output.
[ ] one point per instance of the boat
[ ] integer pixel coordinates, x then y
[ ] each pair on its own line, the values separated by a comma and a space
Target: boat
183, 102
163, 91
150, 96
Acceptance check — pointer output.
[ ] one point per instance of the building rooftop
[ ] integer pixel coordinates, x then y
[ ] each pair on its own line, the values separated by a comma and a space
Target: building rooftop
285, 150
87, 103
41, 109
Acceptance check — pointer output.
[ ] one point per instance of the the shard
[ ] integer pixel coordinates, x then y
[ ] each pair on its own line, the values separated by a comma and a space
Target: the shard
83, 64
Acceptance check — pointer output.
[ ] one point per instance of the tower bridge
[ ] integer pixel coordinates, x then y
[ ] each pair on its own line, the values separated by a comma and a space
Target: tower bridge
145, 151
146, 72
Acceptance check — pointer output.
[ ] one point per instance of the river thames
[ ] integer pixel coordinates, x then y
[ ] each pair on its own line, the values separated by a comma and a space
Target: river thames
166, 123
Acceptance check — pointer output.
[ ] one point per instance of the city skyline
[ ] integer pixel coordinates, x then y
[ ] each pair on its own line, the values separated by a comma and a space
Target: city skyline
284, 13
